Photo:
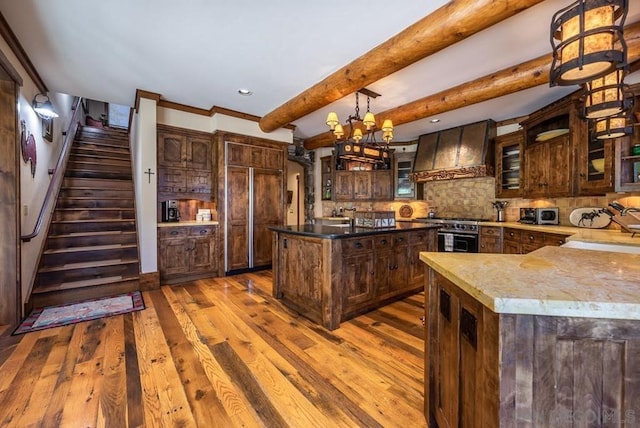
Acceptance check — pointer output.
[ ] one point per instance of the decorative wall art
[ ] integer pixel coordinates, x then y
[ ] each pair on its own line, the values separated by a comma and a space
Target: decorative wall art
47, 129
28, 147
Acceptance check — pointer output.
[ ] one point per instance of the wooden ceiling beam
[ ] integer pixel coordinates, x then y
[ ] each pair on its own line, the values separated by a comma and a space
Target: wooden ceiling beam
446, 26
504, 82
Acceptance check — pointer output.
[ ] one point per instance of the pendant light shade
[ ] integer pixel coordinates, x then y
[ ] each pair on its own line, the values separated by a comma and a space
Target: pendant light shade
590, 41
42, 106
605, 96
612, 127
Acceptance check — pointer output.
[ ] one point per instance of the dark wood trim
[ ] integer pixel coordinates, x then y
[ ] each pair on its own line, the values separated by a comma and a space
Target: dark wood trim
183, 107
149, 281
9, 36
6, 65
140, 93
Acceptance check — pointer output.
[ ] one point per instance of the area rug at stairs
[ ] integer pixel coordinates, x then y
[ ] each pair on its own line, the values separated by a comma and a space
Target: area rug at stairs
56, 316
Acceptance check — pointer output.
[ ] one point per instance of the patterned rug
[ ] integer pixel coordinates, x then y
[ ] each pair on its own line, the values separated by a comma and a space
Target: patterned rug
56, 316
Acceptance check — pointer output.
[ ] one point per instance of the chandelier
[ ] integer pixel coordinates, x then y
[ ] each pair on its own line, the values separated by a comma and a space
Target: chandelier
356, 146
590, 42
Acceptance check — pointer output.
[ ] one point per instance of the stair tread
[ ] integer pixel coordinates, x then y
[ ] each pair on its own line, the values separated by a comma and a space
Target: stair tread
83, 234
91, 264
96, 209
83, 283
89, 248
98, 220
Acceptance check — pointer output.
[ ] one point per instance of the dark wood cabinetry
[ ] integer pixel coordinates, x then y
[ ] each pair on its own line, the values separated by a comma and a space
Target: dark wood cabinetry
331, 280
627, 163
185, 160
456, 360
403, 187
254, 193
509, 164
490, 239
187, 252
548, 169
352, 184
518, 241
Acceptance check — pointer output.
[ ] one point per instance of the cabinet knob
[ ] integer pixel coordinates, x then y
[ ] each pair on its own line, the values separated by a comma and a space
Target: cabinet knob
358, 245
174, 232
383, 242
531, 237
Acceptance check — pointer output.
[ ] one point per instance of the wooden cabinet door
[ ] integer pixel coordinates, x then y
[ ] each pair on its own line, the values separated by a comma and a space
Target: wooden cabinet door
174, 256
198, 181
237, 242
536, 165
558, 167
172, 180
172, 151
203, 258
238, 154
446, 357
399, 270
362, 185
268, 210
382, 185
358, 273
343, 186
199, 153
273, 159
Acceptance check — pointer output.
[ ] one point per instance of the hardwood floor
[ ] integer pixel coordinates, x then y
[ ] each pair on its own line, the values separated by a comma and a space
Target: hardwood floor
218, 353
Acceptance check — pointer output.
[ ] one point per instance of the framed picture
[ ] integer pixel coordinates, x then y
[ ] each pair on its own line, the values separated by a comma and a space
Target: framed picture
47, 129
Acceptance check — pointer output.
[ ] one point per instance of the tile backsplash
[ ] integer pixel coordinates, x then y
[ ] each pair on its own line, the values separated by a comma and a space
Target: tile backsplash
473, 197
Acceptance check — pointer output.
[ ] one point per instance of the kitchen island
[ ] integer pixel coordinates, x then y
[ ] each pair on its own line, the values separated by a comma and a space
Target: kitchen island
330, 274
550, 338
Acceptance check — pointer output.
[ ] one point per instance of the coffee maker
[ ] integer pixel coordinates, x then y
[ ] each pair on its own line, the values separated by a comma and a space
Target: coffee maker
170, 211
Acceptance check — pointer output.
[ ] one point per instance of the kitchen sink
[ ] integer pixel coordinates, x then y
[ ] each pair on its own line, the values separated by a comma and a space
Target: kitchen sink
633, 249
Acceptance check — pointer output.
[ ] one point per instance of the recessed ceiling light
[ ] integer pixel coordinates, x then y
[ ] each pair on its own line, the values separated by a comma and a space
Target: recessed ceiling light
245, 92
435, 120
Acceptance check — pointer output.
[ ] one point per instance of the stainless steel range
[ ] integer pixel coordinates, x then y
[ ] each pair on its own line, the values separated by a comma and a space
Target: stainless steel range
458, 235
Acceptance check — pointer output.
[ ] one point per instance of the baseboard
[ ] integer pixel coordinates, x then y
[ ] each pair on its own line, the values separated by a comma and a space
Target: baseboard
149, 281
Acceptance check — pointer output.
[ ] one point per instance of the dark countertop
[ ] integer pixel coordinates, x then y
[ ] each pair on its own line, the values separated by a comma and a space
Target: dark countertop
338, 232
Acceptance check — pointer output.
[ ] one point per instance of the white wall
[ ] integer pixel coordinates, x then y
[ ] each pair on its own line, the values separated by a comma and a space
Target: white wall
144, 158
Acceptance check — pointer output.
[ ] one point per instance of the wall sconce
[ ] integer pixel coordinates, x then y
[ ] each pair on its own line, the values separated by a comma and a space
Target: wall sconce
612, 127
605, 96
42, 106
591, 44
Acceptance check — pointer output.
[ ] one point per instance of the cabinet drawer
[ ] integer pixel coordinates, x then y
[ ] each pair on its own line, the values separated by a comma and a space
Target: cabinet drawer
533, 238
383, 241
173, 232
512, 234
350, 246
420, 237
554, 239
491, 231
401, 239
202, 231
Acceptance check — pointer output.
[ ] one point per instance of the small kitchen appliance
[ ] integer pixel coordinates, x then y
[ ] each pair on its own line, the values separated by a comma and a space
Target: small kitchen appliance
170, 211
539, 216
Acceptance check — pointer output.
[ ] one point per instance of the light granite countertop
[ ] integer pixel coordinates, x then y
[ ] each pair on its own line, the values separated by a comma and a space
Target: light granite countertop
552, 281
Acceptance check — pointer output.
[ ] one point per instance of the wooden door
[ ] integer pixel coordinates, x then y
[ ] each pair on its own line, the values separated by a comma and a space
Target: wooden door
536, 170
343, 186
446, 357
172, 150
268, 210
559, 167
202, 257
199, 153
358, 273
362, 185
237, 218
382, 185
10, 290
174, 256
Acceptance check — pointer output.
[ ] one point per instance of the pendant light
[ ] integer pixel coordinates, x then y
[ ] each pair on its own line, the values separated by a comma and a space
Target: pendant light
605, 96
590, 41
612, 127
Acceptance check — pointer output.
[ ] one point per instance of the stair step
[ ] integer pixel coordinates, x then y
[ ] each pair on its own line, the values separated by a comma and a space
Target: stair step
89, 248
81, 173
97, 166
89, 239
86, 265
43, 298
103, 144
66, 214
96, 183
63, 256
92, 156
103, 202
84, 192
65, 227
81, 284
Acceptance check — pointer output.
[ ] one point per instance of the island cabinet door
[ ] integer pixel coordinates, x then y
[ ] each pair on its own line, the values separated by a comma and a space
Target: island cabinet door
358, 273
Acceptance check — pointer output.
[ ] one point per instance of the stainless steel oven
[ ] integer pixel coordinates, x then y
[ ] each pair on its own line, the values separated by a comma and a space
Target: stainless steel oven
456, 234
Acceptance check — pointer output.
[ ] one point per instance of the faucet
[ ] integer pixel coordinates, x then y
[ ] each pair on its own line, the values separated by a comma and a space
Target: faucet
630, 210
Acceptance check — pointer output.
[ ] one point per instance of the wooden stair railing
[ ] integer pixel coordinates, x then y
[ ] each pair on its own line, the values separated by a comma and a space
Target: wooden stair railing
58, 172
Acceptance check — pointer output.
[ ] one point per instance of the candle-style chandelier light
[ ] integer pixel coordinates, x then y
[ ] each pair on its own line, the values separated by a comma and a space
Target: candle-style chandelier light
360, 143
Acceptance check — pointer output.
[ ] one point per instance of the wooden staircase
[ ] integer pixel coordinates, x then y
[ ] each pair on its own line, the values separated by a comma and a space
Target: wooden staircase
91, 250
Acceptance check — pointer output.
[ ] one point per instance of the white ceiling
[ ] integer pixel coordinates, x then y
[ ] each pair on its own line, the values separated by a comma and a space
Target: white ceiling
200, 52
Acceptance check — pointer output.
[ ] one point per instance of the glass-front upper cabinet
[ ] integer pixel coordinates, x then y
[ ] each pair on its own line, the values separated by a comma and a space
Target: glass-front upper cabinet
326, 178
509, 164
404, 188
595, 162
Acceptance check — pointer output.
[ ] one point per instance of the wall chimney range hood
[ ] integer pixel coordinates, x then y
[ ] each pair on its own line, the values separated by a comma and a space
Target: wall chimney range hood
463, 152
